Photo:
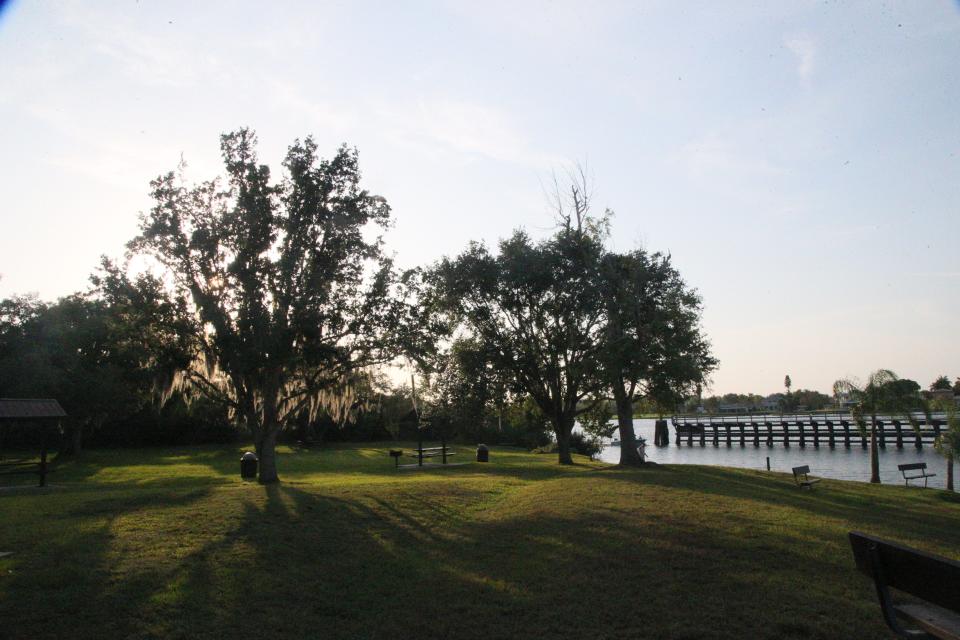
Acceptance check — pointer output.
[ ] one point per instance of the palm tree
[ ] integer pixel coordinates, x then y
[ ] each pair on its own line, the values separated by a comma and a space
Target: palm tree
948, 444
883, 394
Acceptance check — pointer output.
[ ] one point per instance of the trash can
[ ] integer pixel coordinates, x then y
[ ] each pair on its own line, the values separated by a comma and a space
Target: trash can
248, 466
483, 454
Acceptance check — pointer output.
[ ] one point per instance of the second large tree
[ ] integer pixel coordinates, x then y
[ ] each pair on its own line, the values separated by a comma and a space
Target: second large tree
571, 324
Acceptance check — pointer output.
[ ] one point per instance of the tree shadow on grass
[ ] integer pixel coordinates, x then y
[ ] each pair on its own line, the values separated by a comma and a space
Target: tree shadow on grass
61, 577
220, 465
860, 504
297, 564
298, 561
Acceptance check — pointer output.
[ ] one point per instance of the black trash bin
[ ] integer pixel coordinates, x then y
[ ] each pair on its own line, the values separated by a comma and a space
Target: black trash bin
248, 466
483, 453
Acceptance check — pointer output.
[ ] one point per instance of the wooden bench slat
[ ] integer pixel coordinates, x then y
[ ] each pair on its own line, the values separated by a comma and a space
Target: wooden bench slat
933, 619
431, 455
933, 578
911, 466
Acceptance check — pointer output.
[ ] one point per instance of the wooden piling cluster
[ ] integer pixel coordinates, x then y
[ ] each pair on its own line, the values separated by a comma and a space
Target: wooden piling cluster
814, 429
661, 434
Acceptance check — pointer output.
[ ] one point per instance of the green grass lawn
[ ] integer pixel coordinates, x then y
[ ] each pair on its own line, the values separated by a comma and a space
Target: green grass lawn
169, 543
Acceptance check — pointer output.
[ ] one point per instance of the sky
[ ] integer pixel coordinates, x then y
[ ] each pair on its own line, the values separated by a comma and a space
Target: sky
800, 161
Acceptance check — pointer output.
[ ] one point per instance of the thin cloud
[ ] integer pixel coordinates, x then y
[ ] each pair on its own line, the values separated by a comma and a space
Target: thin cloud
435, 123
466, 128
150, 59
715, 154
937, 274
805, 49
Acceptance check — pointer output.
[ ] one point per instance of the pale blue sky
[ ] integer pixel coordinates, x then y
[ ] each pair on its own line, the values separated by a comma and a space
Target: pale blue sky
800, 160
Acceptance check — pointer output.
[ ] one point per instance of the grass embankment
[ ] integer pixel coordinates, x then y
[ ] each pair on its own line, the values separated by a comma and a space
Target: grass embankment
171, 544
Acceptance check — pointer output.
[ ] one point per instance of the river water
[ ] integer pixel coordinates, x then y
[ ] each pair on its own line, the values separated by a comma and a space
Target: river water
840, 463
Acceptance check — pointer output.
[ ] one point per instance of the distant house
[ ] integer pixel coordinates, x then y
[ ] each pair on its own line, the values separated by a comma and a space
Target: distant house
773, 402
845, 401
945, 394
734, 408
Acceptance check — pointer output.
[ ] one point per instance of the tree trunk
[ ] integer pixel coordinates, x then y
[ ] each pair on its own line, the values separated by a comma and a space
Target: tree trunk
628, 439
267, 452
267, 434
71, 443
77, 445
949, 473
874, 453
563, 428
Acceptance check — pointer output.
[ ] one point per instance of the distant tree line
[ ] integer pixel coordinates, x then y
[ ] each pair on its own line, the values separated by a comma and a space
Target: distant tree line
269, 308
800, 399
942, 383
810, 400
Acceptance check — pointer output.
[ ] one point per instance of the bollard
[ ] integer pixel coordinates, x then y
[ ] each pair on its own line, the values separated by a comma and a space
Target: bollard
768, 463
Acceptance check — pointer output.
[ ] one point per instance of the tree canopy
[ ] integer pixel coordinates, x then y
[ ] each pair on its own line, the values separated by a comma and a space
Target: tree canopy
653, 346
942, 383
883, 393
571, 323
288, 292
534, 306
99, 353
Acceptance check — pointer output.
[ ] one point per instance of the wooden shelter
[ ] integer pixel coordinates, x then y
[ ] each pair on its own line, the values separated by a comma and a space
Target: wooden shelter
40, 412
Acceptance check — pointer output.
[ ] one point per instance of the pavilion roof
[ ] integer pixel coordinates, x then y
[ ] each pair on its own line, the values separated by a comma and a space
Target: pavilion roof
25, 409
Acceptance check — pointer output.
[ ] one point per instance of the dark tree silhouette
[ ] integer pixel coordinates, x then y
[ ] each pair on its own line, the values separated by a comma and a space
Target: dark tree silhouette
290, 294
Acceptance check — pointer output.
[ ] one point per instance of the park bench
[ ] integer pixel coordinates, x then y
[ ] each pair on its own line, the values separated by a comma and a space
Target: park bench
801, 476
932, 579
920, 467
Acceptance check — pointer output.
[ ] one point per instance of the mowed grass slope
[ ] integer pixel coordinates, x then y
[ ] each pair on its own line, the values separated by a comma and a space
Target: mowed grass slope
171, 544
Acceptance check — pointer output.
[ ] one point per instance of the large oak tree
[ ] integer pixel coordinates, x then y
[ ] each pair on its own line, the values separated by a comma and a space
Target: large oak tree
290, 293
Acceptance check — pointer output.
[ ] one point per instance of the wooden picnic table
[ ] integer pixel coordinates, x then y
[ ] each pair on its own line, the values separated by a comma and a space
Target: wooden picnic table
431, 452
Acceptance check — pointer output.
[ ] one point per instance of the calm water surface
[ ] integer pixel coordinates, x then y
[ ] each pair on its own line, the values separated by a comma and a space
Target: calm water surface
839, 463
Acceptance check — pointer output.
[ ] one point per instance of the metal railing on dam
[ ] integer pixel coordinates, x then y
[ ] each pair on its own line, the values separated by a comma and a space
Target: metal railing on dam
815, 429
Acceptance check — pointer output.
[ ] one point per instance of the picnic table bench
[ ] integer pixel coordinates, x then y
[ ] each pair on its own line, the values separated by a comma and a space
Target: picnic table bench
432, 452
801, 475
423, 452
920, 468
40, 468
933, 579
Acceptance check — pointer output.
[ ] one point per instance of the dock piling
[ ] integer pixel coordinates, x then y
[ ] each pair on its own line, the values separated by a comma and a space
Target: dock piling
795, 429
